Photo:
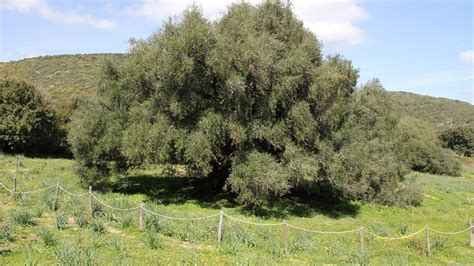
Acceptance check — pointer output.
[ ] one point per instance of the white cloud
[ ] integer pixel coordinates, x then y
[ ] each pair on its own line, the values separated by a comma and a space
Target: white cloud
45, 11
333, 21
467, 56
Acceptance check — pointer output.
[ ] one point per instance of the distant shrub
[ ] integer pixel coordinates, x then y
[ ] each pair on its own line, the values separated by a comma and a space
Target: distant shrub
422, 149
459, 139
27, 124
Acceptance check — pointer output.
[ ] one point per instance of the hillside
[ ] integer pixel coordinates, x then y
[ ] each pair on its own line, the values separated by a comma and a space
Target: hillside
59, 78
64, 77
439, 112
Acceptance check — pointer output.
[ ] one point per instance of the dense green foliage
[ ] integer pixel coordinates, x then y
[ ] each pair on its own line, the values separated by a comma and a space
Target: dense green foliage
439, 112
369, 163
422, 149
460, 139
248, 102
27, 124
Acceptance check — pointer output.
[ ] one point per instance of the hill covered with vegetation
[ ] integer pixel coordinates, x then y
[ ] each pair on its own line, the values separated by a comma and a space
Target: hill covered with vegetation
61, 78
439, 112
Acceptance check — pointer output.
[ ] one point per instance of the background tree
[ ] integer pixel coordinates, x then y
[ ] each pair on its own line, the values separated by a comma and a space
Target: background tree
248, 102
460, 139
27, 124
422, 149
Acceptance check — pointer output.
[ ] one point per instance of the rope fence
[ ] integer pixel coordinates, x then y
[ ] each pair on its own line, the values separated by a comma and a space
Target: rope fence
222, 215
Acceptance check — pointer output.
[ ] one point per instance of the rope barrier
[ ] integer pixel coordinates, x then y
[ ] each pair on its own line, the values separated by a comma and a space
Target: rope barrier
230, 217
26, 192
252, 223
11, 191
112, 207
452, 233
324, 232
73, 194
181, 218
395, 238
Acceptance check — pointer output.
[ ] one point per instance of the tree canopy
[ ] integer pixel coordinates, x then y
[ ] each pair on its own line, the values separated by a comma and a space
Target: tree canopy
248, 102
27, 124
460, 139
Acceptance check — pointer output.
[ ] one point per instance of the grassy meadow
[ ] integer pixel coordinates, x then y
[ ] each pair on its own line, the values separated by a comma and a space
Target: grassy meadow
32, 234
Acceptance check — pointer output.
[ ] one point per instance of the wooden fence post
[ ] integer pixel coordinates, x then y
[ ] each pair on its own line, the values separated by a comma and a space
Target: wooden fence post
471, 232
428, 248
14, 179
361, 239
55, 200
14, 188
140, 218
285, 236
219, 229
91, 211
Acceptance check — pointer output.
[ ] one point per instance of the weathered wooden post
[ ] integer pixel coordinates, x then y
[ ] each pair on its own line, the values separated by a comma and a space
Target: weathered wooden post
471, 232
55, 200
14, 179
219, 229
285, 236
140, 218
361, 239
428, 248
91, 211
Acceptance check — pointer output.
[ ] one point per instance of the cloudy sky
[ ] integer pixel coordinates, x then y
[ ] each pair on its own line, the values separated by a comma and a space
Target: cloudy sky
421, 46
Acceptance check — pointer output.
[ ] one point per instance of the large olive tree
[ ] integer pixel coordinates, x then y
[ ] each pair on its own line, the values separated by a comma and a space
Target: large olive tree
247, 101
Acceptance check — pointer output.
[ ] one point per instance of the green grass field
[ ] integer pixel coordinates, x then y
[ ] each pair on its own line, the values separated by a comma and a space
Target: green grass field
31, 233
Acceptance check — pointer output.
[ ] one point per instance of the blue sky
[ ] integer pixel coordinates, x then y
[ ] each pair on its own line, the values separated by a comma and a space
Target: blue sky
420, 46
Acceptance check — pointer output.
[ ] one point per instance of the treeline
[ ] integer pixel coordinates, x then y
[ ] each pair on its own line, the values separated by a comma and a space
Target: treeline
249, 103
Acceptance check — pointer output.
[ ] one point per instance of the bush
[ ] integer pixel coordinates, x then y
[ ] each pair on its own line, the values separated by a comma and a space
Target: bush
459, 139
257, 179
422, 150
28, 125
366, 163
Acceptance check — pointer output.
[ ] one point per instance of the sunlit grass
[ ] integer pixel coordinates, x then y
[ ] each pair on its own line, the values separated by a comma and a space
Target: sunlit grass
112, 237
